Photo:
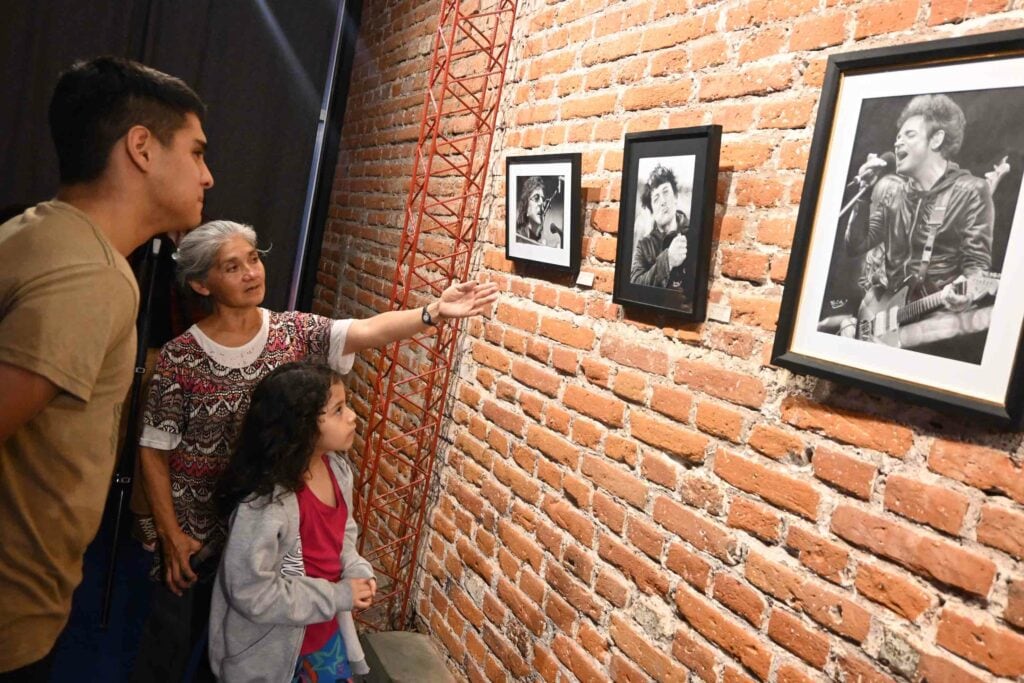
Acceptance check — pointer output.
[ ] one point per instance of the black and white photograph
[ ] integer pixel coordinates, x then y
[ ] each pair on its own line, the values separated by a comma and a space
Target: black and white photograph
543, 210
665, 219
900, 272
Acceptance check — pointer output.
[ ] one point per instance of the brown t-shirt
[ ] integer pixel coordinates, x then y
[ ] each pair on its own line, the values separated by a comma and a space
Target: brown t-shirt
68, 303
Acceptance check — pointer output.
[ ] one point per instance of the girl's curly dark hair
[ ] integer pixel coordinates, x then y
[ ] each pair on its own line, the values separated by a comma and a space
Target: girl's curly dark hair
278, 435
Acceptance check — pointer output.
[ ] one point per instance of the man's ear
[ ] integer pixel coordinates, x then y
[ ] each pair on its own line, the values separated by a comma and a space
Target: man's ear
139, 142
199, 288
936, 140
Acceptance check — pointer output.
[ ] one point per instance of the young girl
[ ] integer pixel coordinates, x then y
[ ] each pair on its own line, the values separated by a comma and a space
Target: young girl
290, 575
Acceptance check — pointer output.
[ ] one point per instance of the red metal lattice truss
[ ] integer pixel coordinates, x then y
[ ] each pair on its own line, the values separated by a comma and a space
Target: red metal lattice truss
466, 76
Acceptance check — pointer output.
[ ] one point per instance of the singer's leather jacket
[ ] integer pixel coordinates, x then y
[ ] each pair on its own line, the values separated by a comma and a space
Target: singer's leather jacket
650, 257
901, 217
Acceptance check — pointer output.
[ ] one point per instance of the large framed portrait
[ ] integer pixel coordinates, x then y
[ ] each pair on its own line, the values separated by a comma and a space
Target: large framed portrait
901, 277
666, 217
542, 217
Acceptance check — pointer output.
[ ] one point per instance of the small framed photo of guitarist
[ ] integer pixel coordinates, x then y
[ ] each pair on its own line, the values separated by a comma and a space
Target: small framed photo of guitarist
666, 217
905, 272
542, 217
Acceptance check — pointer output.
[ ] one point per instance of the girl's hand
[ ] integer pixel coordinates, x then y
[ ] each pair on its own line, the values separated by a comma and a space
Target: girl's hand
362, 592
464, 299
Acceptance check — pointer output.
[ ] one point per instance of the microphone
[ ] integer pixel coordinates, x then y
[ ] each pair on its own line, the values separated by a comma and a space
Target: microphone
875, 172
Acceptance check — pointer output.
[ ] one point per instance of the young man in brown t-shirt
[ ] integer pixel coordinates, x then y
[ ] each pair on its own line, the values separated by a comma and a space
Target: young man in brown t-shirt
130, 145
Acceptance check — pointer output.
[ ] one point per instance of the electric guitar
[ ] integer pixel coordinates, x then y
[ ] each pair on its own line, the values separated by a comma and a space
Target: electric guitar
880, 317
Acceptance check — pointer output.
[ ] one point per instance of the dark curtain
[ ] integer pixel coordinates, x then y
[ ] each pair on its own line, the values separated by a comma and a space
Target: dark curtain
260, 65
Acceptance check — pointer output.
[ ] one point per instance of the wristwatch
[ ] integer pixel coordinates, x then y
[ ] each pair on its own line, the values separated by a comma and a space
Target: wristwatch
425, 317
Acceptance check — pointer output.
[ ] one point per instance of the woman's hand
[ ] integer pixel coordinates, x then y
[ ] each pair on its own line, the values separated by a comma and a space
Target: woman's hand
177, 548
464, 299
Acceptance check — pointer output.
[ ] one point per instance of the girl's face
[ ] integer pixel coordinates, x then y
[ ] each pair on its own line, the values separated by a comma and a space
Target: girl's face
337, 422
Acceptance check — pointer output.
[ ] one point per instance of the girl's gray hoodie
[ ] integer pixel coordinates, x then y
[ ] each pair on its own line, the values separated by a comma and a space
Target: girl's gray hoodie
262, 599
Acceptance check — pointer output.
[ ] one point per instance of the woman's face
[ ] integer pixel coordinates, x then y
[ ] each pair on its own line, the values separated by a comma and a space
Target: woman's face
237, 277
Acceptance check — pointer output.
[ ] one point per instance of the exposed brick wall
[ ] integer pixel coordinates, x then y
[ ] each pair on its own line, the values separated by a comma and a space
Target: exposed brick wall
634, 499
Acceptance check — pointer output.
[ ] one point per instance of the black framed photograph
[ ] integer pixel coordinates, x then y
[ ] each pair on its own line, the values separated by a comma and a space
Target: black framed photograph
901, 276
666, 217
542, 217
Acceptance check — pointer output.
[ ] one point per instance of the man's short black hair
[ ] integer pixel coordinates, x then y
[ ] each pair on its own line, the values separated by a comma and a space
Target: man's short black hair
96, 102
659, 176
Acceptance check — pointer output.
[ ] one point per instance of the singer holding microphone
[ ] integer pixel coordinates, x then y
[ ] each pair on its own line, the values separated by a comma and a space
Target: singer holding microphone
533, 207
931, 220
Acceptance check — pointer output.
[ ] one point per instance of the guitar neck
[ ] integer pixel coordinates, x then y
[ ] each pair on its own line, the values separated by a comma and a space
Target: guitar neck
921, 307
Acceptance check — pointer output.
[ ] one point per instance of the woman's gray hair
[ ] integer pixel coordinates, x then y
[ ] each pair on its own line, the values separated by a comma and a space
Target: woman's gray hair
198, 249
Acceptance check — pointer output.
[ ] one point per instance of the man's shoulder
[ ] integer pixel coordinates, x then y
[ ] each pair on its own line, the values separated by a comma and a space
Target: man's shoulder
51, 236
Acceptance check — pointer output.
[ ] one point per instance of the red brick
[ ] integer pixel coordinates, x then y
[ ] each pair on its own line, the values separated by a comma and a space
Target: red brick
931, 557
676, 32
743, 264
597, 371
615, 480
824, 606
576, 659
1002, 528
647, 576
672, 402
638, 647
697, 657
578, 595
672, 93
730, 386
678, 441
700, 533
694, 569
935, 668
889, 589
646, 537
853, 667
775, 443
990, 646
503, 417
545, 664
520, 544
517, 317
824, 557
492, 357
608, 410
719, 421
776, 488
936, 506
987, 469
744, 154
788, 113
845, 473
567, 333
609, 512
524, 609
1014, 612
567, 516
554, 447
758, 519
737, 343
539, 378
841, 425
805, 642
890, 17
621, 669
630, 385
756, 80
634, 355
621, 449
703, 494
612, 588
726, 632
660, 470
740, 598
816, 31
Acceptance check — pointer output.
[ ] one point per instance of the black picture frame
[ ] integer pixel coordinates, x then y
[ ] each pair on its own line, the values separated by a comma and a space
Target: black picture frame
852, 251
549, 231
644, 274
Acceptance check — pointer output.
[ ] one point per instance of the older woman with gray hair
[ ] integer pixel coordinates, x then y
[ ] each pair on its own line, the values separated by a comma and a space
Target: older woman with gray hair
199, 394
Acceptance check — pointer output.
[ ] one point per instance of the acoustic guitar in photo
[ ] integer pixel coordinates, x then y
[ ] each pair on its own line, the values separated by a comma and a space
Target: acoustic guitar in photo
880, 317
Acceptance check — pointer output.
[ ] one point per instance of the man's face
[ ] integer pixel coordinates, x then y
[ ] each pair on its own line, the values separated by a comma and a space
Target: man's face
534, 204
237, 277
663, 205
913, 146
180, 176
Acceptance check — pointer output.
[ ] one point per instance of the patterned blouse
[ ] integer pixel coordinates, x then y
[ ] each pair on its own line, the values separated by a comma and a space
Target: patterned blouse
200, 392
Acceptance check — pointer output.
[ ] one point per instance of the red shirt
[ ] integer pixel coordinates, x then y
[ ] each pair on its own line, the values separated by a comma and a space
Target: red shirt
322, 531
